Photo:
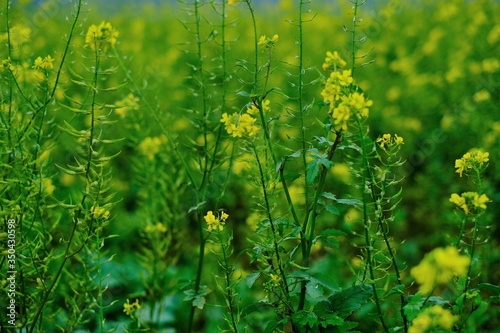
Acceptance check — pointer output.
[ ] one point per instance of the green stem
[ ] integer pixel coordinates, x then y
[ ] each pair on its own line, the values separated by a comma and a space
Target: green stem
271, 222
369, 259
227, 275
307, 234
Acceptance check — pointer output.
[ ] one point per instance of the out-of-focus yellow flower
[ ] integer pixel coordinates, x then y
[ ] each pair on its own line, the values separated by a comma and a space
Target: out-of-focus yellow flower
439, 267
433, 317
129, 103
131, 308
157, 228
99, 212
47, 186
275, 279
151, 146
481, 96
101, 37
19, 35
333, 61
45, 63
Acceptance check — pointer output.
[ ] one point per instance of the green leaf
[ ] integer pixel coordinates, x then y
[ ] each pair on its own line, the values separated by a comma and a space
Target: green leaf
412, 308
312, 171
305, 318
332, 210
345, 302
395, 290
349, 202
251, 278
328, 237
490, 287
199, 301
259, 307
317, 161
332, 320
314, 291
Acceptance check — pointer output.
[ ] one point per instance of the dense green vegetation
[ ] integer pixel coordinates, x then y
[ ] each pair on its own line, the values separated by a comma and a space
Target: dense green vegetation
206, 166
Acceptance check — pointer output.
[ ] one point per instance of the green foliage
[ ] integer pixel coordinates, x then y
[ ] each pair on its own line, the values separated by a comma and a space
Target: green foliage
118, 139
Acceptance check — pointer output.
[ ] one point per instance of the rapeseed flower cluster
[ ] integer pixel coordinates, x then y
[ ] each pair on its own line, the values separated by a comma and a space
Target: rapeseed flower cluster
333, 60
47, 186
19, 35
45, 63
343, 104
439, 267
468, 200
156, 228
129, 103
99, 212
215, 222
433, 317
472, 160
240, 125
268, 42
150, 146
389, 140
131, 308
101, 37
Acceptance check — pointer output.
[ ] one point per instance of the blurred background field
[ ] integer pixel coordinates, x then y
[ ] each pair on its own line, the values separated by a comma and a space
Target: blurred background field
432, 69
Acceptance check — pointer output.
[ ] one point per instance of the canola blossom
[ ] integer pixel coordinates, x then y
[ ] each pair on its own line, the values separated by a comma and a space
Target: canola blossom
439, 267
389, 140
433, 317
472, 160
101, 37
99, 213
156, 228
45, 63
151, 146
215, 222
468, 200
243, 125
129, 103
344, 105
129, 308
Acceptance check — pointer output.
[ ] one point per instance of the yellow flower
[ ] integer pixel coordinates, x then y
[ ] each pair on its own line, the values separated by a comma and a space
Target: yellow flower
231, 2
268, 42
215, 223
262, 40
275, 279
129, 103
479, 201
101, 37
472, 160
150, 146
157, 228
439, 267
131, 308
243, 125
398, 140
433, 317
469, 199
333, 60
99, 212
384, 140
47, 186
45, 63
460, 202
